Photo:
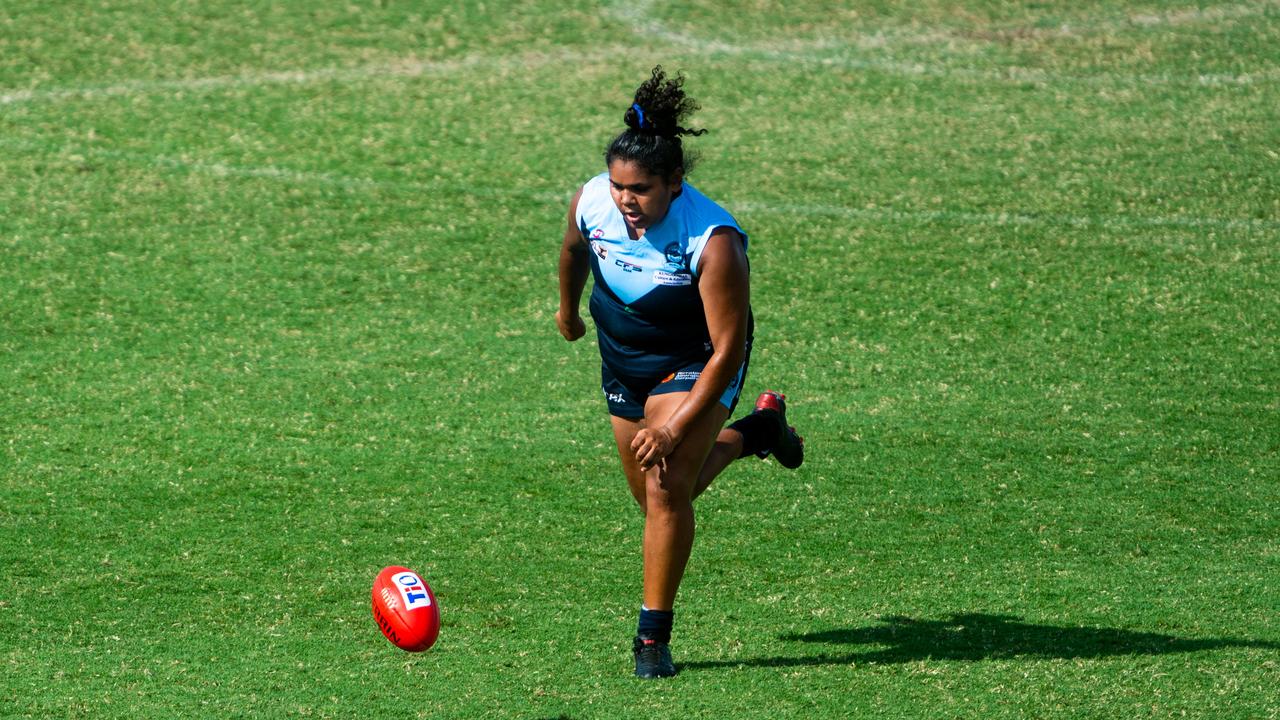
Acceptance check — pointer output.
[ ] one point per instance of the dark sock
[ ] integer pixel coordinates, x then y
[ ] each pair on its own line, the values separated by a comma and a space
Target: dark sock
759, 433
655, 624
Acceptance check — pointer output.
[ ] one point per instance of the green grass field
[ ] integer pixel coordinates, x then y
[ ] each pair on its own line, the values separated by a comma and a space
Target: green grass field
277, 284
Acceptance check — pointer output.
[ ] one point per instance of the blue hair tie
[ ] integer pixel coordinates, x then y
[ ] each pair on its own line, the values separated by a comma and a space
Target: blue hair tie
639, 113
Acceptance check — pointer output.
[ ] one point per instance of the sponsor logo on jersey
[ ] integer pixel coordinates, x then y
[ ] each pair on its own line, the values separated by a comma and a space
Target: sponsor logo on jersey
597, 233
627, 267
662, 277
599, 249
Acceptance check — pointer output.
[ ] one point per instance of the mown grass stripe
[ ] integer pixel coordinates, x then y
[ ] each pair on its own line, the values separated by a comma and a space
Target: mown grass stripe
872, 214
359, 73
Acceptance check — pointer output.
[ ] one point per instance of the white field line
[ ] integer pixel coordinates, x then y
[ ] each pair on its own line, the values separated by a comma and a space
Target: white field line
1008, 218
863, 215
638, 14
1008, 74
761, 52
907, 35
1192, 15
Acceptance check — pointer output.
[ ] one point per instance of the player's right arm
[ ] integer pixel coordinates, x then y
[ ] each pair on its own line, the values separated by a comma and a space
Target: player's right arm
574, 268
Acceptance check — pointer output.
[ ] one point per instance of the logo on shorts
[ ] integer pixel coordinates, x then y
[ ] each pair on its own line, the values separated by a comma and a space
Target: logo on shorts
682, 375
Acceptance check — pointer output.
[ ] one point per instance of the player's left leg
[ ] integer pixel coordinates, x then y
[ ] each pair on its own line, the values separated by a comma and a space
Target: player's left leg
728, 447
669, 485
669, 528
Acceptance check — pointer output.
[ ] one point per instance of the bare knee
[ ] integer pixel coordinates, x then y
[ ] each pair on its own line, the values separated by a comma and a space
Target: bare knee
668, 494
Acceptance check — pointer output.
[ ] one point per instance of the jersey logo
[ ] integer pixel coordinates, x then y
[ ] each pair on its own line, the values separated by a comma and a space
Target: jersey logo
673, 254
627, 267
599, 249
662, 277
674, 272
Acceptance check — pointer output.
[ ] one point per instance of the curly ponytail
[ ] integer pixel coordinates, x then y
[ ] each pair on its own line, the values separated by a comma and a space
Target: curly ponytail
652, 137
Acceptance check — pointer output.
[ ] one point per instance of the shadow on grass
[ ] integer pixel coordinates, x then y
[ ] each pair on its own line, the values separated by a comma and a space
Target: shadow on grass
975, 636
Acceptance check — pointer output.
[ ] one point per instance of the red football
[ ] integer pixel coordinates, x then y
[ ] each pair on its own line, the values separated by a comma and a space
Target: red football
405, 609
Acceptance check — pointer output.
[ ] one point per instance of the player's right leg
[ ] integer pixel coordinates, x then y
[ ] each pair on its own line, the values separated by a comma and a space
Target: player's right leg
626, 403
624, 431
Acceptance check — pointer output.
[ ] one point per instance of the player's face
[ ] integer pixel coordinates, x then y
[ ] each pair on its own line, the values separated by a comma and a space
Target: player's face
643, 197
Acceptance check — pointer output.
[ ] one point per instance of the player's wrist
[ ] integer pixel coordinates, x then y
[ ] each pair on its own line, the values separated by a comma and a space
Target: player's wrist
672, 435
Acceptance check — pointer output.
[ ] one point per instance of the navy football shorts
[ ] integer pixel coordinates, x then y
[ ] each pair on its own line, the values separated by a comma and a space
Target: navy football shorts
626, 396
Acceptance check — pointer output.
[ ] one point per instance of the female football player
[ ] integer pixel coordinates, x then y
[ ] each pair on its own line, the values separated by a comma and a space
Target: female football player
670, 301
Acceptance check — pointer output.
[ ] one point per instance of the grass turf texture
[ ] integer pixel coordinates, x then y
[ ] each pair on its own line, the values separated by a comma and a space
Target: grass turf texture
276, 296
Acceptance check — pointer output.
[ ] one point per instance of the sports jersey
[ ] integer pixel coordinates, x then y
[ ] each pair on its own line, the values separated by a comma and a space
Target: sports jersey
645, 302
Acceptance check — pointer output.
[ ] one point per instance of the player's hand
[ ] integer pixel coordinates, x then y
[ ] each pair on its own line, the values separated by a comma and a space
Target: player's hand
651, 445
571, 325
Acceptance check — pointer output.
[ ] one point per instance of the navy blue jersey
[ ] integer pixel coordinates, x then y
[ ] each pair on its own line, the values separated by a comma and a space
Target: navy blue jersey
645, 302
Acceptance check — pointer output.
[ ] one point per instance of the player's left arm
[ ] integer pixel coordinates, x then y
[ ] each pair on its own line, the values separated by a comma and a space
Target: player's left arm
724, 282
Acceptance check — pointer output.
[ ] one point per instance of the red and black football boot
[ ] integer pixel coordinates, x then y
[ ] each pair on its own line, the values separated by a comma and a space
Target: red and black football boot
789, 447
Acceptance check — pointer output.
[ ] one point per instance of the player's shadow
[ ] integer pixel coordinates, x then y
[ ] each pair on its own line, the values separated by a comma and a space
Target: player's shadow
976, 636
